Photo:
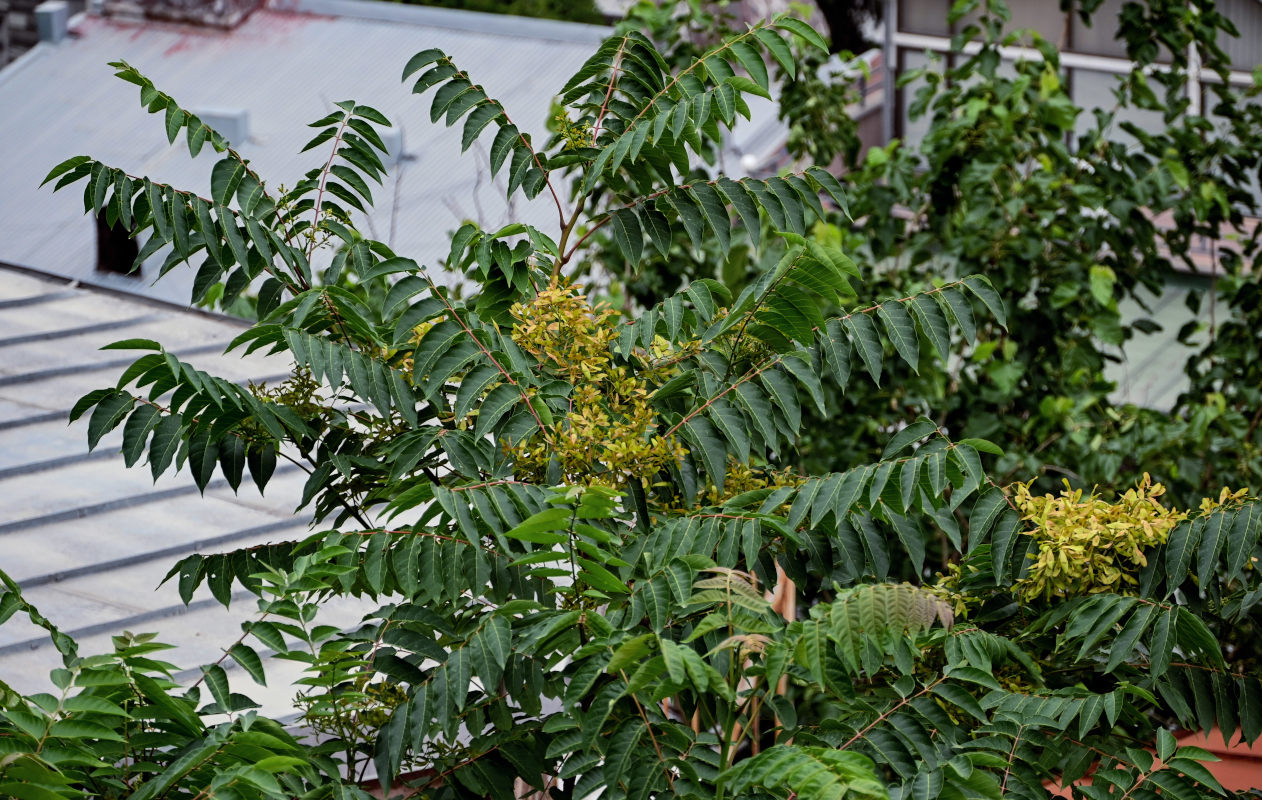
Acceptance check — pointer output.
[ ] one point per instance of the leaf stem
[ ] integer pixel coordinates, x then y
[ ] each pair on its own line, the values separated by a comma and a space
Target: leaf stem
670, 777
889, 713
324, 177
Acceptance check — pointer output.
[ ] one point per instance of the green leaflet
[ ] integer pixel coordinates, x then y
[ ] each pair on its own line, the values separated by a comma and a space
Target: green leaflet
867, 344
108, 414
835, 346
986, 512
164, 445
1213, 537
1123, 646
792, 312
627, 234
956, 305
709, 445
689, 216
249, 660
1244, 534
783, 395
477, 122
1003, 539
497, 403
1163, 640
714, 213
232, 460
1181, 546
751, 60
799, 28
913, 432
203, 455
742, 201
225, 177
731, 424
910, 537
985, 291
657, 227
901, 332
778, 49
798, 364
808, 771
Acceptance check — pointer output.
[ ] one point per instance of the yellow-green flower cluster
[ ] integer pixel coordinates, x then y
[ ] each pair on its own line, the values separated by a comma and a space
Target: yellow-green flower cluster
1088, 545
609, 434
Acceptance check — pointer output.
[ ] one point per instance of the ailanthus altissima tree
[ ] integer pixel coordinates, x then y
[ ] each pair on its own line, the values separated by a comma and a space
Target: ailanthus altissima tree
571, 515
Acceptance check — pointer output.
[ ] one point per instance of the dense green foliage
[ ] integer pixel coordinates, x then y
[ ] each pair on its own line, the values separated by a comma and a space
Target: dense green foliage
1071, 215
569, 517
1061, 211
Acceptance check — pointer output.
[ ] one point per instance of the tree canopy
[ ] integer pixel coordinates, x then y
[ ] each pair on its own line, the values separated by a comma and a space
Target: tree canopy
598, 561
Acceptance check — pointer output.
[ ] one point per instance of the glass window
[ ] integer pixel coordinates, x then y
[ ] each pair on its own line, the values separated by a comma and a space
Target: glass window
1045, 18
1099, 38
924, 16
1092, 90
1246, 50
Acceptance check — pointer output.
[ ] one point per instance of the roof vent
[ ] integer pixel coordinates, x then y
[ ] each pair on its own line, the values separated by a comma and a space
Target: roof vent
52, 20
232, 123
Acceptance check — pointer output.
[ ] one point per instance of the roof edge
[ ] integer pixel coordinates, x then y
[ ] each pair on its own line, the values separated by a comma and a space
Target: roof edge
15, 66
449, 18
92, 286
7, 71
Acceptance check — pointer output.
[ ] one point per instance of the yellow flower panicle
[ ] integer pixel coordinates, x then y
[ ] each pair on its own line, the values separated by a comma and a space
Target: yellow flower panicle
576, 135
1087, 545
741, 478
562, 330
609, 434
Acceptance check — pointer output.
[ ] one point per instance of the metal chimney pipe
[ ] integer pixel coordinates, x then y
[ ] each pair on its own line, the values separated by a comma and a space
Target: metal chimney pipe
52, 20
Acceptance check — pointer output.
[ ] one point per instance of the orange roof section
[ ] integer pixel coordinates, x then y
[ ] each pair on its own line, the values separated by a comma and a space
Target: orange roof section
1241, 764
1239, 767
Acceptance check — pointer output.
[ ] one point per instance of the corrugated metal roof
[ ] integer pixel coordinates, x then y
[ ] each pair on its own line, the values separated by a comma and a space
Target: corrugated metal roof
88, 539
284, 67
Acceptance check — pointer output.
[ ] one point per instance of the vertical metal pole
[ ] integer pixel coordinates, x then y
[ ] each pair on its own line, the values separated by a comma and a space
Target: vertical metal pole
1195, 101
889, 56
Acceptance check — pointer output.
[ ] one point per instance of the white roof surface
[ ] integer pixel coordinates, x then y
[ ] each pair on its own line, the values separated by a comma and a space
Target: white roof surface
88, 539
284, 66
